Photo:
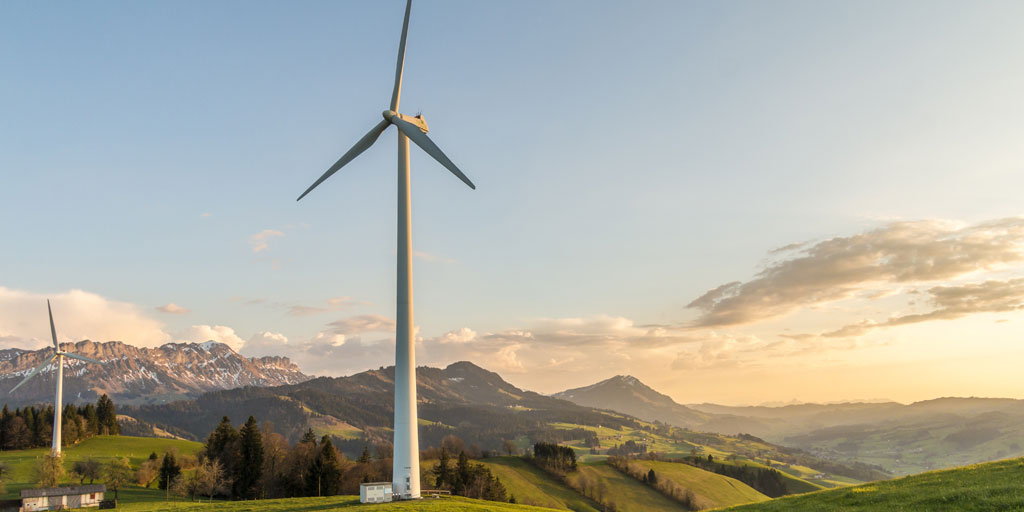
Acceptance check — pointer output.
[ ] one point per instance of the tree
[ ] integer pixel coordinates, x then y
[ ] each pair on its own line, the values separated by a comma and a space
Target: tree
461, 474
107, 416
169, 470
147, 472
443, 471
364, 458
325, 473
275, 450
510, 447
117, 473
208, 479
251, 467
50, 470
89, 468
18, 434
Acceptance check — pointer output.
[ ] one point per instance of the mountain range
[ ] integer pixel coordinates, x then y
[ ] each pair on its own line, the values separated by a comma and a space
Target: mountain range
903, 438
185, 388
135, 375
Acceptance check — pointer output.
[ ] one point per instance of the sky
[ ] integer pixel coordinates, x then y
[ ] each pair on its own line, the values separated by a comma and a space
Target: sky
736, 202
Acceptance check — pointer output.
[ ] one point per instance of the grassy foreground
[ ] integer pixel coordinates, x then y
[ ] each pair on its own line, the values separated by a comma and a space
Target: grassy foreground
981, 487
103, 448
346, 503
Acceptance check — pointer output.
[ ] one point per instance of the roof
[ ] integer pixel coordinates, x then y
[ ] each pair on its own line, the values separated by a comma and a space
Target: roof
62, 491
375, 483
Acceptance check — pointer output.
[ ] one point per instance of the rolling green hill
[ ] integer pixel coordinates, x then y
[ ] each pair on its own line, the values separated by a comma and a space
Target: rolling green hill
136, 449
531, 486
628, 494
981, 487
676, 443
711, 489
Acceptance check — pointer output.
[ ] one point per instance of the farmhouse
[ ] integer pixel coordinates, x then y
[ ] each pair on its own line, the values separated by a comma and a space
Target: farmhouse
375, 492
60, 498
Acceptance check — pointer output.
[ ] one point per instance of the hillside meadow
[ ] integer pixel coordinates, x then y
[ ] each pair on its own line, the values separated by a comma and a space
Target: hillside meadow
984, 487
103, 448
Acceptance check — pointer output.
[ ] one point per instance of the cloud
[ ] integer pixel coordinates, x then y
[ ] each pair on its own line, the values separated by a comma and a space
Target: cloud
172, 308
332, 304
261, 241
78, 315
326, 353
206, 214
361, 324
265, 343
951, 302
899, 253
218, 333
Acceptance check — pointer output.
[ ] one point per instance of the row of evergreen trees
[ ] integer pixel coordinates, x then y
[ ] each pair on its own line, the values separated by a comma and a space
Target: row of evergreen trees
469, 480
554, 457
32, 427
254, 462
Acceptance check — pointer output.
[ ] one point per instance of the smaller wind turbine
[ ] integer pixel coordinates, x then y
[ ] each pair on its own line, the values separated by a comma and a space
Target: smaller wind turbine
58, 402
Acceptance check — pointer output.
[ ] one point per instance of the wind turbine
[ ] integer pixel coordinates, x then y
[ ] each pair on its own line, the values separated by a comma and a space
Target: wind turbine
58, 402
405, 476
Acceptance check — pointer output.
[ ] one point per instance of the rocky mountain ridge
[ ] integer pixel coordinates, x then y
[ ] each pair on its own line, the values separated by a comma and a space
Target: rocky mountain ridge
138, 375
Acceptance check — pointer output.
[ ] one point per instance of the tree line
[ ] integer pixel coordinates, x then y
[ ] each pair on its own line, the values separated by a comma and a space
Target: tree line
32, 427
255, 462
767, 481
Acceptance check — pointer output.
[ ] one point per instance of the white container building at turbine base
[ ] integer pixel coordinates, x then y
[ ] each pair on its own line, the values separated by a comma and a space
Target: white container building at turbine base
62, 498
375, 492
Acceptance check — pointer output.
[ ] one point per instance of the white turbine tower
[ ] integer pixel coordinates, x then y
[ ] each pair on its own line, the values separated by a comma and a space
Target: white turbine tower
406, 463
58, 402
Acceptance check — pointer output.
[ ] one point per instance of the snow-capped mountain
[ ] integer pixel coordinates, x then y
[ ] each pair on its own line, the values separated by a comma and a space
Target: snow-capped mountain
137, 375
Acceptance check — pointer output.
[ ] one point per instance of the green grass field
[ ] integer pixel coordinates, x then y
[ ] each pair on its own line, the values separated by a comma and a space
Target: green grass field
531, 486
136, 449
712, 490
347, 503
628, 494
982, 487
725, 449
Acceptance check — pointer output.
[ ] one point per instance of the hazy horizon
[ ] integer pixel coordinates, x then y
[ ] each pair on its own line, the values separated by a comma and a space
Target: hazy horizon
736, 203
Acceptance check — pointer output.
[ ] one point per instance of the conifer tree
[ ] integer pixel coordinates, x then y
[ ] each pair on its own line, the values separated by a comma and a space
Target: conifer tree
250, 468
169, 470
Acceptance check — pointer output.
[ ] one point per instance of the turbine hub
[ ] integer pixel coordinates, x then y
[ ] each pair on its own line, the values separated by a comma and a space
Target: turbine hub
418, 121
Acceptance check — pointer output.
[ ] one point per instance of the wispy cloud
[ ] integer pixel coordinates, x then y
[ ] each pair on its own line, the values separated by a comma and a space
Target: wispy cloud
261, 241
899, 253
172, 309
332, 304
950, 302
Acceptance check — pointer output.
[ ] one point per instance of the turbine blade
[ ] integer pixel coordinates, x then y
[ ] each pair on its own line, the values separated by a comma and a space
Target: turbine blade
82, 358
401, 58
416, 135
33, 373
53, 330
356, 150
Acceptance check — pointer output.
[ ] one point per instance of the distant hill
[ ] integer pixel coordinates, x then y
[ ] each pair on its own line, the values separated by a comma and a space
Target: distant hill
981, 487
626, 394
134, 375
477, 404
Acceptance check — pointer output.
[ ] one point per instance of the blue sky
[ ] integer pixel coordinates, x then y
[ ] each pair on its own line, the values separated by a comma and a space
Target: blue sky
629, 157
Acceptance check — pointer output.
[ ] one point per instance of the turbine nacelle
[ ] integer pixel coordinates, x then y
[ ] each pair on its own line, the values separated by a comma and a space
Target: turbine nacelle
416, 121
